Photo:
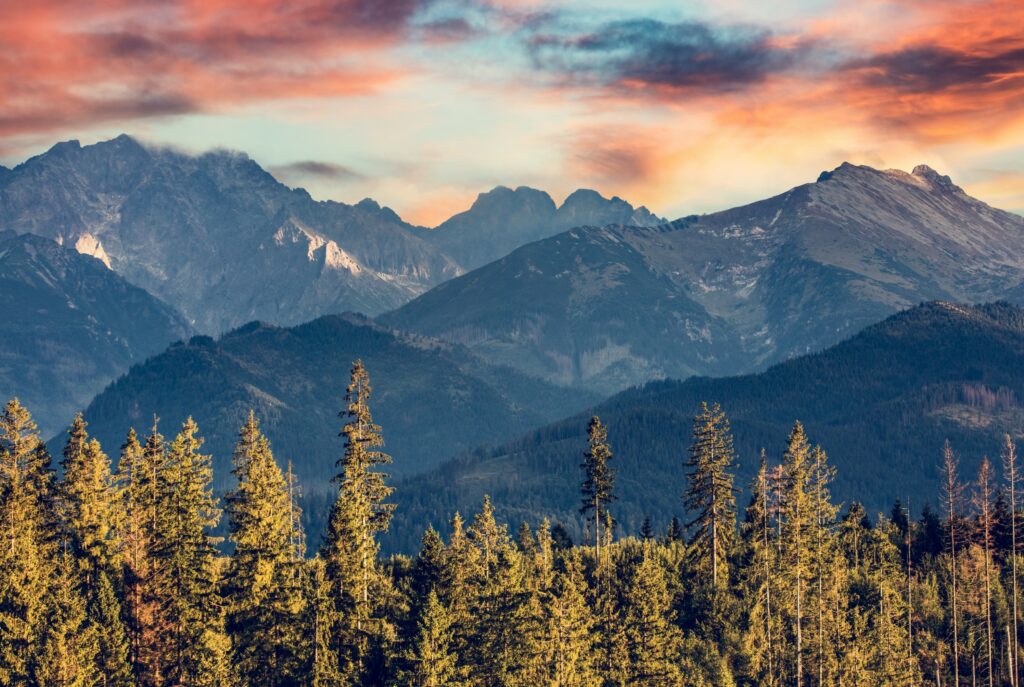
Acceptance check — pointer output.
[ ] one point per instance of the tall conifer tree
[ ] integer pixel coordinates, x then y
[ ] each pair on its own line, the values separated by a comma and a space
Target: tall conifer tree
710, 495
360, 513
260, 589
599, 479
183, 552
90, 503
27, 556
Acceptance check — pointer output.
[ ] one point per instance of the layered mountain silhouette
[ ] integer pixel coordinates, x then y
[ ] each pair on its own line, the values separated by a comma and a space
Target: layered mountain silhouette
733, 291
432, 399
68, 325
503, 219
220, 239
880, 403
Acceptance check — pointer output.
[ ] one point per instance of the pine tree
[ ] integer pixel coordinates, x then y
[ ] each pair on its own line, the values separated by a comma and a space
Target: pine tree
90, 503
1012, 476
112, 642
710, 495
319, 621
653, 640
183, 552
430, 661
358, 516
261, 590
27, 557
758, 563
952, 493
983, 502
798, 509
138, 471
571, 625
69, 645
599, 480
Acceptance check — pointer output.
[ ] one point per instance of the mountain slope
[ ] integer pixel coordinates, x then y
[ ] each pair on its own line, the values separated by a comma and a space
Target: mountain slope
503, 219
68, 326
217, 236
732, 291
433, 400
880, 403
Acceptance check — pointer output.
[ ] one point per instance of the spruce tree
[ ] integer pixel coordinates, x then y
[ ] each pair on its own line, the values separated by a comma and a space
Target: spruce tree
1012, 476
90, 503
759, 564
260, 589
952, 493
500, 643
69, 645
429, 661
797, 531
983, 498
599, 480
112, 641
320, 618
137, 473
183, 553
653, 640
571, 626
350, 549
28, 564
710, 495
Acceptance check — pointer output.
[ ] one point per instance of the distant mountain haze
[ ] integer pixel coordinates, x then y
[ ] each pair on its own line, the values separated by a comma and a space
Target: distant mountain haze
730, 292
881, 404
434, 400
68, 326
504, 219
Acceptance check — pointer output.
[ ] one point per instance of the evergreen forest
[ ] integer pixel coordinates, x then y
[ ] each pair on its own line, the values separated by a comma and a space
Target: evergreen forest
113, 573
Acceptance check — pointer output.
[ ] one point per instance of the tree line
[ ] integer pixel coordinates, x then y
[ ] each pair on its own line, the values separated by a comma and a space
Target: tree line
113, 576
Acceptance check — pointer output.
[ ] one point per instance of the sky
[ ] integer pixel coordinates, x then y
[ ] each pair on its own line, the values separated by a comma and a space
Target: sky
685, 107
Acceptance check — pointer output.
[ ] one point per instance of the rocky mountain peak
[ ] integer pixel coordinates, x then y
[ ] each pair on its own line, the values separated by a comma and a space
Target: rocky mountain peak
938, 182
503, 198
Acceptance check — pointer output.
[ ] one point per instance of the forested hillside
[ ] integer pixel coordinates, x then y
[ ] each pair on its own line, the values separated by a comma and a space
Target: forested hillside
112, 575
437, 399
882, 401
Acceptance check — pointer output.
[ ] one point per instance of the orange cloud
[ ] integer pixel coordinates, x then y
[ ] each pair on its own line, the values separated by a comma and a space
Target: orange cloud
67, 63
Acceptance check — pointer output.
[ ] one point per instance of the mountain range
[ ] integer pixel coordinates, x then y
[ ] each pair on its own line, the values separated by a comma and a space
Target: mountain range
68, 325
880, 403
729, 292
221, 240
512, 314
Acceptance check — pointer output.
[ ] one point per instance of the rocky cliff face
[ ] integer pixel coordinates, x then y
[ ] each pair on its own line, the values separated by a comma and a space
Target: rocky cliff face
69, 326
732, 291
216, 236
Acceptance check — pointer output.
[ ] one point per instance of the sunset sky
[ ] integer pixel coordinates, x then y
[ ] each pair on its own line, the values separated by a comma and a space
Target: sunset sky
421, 104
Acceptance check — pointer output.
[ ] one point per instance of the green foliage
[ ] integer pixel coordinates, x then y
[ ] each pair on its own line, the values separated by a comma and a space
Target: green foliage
133, 589
261, 589
599, 481
359, 515
710, 495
